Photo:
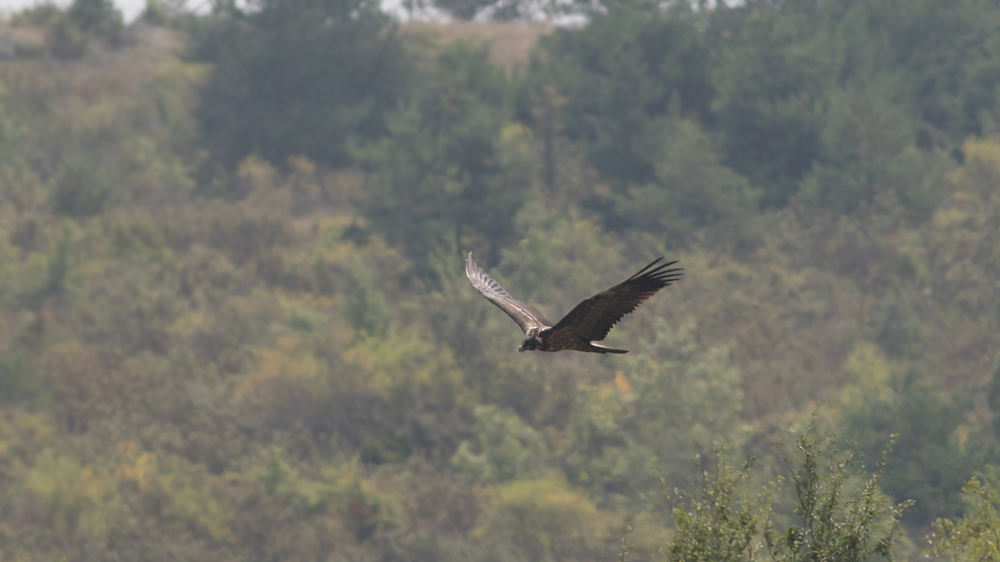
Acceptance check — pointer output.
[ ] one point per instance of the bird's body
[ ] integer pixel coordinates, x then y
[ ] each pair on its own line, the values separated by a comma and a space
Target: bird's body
589, 321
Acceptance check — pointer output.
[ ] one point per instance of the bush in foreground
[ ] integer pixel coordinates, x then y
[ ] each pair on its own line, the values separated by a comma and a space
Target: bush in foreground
833, 510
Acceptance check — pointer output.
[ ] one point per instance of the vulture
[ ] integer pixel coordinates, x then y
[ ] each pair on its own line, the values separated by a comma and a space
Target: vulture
589, 321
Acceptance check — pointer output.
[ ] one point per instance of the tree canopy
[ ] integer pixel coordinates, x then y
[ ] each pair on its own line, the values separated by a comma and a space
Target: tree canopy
234, 323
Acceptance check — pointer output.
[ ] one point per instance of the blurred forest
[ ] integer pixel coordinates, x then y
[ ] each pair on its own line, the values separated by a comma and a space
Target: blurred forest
234, 322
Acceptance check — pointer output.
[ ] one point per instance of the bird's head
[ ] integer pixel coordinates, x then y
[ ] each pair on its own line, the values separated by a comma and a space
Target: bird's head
529, 344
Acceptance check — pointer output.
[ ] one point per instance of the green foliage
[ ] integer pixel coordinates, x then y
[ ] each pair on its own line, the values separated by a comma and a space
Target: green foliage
545, 519
41, 14
955, 94
455, 169
235, 325
768, 87
787, 66
82, 188
507, 448
677, 380
18, 385
72, 31
18, 179
621, 431
298, 77
875, 408
617, 75
838, 511
977, 535
690, 191
713, 522
835, 524
868, 152
155, 13
95, 16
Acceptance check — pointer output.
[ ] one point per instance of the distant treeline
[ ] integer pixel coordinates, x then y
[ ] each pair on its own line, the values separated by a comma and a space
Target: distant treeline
234, 323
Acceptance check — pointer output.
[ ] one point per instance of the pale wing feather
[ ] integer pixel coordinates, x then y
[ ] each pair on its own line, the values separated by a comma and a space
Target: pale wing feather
525, 316
593, 318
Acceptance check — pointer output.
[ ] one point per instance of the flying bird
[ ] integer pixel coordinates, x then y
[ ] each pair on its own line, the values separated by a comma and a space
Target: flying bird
589, 321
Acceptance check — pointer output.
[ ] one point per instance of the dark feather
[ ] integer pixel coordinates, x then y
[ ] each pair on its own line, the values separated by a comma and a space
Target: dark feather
525, 316
593, 318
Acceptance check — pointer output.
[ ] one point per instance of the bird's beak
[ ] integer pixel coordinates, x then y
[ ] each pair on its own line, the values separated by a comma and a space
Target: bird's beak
521, 348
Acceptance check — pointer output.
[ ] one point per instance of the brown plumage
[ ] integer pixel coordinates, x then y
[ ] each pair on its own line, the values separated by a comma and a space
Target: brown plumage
589, 321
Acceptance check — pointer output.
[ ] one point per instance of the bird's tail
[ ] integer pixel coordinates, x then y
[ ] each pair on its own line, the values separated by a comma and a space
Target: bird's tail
596, 348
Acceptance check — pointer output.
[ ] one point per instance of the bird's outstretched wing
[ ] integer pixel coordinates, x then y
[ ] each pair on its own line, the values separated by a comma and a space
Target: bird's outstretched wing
593, 318
525, 316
